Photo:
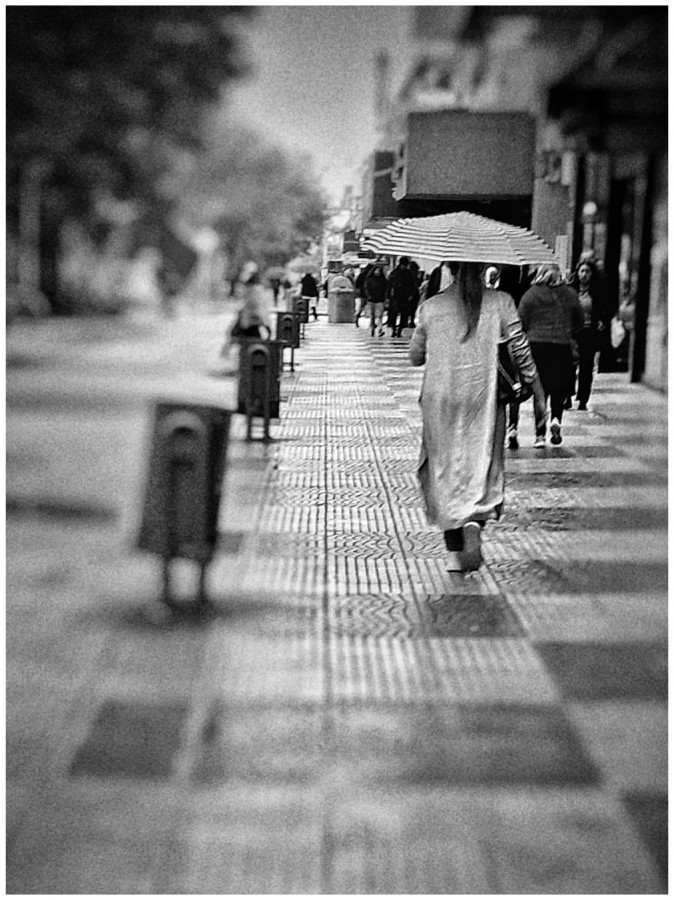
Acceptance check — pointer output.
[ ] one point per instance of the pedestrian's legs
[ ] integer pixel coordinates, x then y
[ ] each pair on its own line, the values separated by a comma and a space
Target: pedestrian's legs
379, 318
557, 406
585, 367
411, 322
572, 387
513, 421
392, 318
540, 419
454, 539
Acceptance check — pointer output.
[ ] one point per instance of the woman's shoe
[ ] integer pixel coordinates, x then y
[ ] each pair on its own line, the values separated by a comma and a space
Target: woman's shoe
539, 443
513, 443
454, 562
582, 406
555, 432
471, 555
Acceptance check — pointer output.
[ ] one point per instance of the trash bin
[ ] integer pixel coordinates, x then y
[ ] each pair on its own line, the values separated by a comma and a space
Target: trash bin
288, 331
182, 495
288, 328
341, 306
259, 389
301, 307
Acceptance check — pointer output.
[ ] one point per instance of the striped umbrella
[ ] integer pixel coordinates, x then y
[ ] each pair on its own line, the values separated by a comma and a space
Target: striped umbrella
461, 237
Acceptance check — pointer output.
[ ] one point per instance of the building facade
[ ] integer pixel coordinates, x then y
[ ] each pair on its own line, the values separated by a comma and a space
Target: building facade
550, 117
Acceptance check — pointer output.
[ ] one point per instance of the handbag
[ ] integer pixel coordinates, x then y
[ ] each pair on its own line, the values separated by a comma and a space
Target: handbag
510, 387
618, 332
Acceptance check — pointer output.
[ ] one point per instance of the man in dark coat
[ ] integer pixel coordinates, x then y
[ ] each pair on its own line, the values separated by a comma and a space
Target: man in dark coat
309, 289
402, 286
441, 277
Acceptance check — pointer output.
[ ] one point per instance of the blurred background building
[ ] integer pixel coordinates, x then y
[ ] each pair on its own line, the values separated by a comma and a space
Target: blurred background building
549, 117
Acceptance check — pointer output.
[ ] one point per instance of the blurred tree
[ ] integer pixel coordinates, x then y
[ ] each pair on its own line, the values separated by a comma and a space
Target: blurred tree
102, 102
264, 202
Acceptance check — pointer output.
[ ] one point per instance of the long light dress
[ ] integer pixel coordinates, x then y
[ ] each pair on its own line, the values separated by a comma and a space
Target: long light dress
461, 464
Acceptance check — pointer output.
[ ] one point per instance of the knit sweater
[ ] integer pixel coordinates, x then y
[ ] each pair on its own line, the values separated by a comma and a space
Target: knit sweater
551, 315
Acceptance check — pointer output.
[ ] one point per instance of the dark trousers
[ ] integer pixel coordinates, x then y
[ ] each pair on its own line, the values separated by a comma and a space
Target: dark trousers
410, 311
396, 316
587, 347
554, 364
454, 538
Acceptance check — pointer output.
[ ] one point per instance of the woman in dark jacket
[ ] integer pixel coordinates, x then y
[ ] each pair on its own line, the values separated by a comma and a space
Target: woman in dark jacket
375, 295
551, 315
588, 282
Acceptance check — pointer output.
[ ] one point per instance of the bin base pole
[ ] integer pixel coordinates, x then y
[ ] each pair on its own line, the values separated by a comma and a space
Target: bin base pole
166, 594
202, 595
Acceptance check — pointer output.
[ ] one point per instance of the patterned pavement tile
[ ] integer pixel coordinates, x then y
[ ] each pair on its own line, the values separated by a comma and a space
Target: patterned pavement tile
468, 670
558, 842
131, 740
473, 615
628, 671
285, 748
649, 811
481, 744
628, 739
578, 618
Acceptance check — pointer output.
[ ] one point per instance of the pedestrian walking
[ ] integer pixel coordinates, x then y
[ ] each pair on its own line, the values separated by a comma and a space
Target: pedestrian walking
551, 316
309, 290
374, 288
461, 464
253, 318
441, 277
413, 301
591, 338
402, 286
511, 280
361, 299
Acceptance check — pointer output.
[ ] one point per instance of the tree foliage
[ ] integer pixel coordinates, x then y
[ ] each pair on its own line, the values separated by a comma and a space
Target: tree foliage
264, 201
107, 98
81, 81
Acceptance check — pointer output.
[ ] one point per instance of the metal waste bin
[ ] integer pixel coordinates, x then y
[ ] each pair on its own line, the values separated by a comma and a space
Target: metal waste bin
341, 305
259, 390
288, 331
301, 309
183, 487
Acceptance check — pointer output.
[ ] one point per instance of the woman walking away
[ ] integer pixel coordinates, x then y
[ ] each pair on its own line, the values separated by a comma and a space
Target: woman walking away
590, 338
551, 315
374, 288
462, 451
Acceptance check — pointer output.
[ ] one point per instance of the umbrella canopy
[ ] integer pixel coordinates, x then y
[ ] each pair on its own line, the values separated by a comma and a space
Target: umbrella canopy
304, 264
462, 237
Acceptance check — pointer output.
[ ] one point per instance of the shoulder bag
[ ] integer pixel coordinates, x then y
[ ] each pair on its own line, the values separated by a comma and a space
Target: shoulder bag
510, 386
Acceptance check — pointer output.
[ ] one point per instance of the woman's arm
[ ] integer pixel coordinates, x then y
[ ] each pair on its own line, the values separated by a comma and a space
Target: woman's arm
512, 331
417, 351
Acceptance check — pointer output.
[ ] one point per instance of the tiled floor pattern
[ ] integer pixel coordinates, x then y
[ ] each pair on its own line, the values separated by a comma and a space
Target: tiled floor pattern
358, 720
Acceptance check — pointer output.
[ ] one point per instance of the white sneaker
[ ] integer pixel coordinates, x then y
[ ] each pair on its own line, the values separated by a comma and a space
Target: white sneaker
555, 432
539, 443
454, 561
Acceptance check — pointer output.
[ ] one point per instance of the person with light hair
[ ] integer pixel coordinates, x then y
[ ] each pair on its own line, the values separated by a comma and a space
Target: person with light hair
551, 316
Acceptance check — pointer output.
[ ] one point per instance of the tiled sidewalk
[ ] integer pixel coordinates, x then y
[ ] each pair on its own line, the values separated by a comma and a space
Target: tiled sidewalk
356, 719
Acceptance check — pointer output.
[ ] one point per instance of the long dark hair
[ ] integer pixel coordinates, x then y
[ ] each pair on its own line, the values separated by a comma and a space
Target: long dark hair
471, 286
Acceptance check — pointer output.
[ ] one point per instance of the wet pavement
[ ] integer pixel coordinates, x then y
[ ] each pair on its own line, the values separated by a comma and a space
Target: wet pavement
349, 717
